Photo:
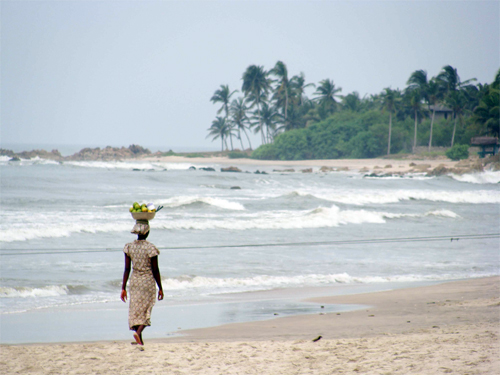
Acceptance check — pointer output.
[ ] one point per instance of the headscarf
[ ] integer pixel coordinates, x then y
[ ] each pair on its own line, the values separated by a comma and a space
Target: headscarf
141, 227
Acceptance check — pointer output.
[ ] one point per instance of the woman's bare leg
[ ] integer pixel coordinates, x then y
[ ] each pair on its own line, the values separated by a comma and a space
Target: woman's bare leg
138, 334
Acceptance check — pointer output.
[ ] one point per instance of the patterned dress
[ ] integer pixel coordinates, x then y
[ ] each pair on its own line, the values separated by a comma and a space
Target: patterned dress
142, 283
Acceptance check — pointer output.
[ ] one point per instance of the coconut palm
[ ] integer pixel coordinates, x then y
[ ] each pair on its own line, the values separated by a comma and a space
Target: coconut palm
389, 99
256, 85
413, 98
487, 113
434, 95
431, 91
282, 89
456, 101
326, 93
297, 87
416, 92
238, 112
219, 129
450, 80
454, 92
223, 95
269, 118
418, 81
352, 102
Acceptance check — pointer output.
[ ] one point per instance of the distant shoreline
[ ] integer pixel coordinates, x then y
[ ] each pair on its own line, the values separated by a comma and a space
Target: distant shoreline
397, 165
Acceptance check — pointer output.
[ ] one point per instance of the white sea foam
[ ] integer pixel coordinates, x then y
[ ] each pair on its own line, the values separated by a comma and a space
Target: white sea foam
237, 218
322, 217
486, 177
29, 232
212, 201
5, 160
24, 292
443, 213
366, 197
117, 165
229, 285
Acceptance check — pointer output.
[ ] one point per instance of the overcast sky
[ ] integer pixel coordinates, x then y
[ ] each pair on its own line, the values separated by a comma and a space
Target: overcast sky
97, 73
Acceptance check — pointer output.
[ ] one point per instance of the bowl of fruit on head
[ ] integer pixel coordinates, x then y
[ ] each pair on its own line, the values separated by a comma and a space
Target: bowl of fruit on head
143, 211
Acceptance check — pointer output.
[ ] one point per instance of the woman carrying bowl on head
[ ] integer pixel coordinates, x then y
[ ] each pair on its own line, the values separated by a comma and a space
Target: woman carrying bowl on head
143, 257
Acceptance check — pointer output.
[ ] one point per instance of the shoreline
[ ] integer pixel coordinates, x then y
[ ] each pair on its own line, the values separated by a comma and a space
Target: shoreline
443, 328
383, 166
380, 165
423, 306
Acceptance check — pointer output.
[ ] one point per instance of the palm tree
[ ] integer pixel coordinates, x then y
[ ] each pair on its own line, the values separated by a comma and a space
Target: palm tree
434, 94
431, 91
219, 129
223, 95
282, 90
414, 101
456, 101
454, 89
416, 92
418, 80
325, 95
352, 102
239, 118
269, 117
298, 87
256, 86
389, 99
487, 113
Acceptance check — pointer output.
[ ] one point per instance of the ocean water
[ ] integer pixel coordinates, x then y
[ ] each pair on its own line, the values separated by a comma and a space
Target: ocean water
64, 226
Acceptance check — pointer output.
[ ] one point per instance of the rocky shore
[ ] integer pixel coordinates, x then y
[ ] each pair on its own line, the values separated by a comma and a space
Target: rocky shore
88, 154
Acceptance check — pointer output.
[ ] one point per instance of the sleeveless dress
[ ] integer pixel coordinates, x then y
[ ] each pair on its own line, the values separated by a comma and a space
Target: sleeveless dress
142, 293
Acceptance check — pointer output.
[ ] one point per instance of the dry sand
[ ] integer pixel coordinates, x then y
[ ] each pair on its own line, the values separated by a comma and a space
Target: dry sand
372, 165
447, 328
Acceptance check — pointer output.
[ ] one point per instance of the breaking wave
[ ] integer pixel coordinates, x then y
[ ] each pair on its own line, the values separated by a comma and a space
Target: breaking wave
27, 232
486, 177
190, 200
322, 217
25, 292
360, 198
214, 285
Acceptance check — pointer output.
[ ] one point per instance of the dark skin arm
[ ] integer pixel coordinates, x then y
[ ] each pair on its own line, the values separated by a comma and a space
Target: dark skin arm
126, 274
156, 275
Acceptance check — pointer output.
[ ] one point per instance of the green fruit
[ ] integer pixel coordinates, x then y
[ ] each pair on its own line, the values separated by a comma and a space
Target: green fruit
131, 209
136, 205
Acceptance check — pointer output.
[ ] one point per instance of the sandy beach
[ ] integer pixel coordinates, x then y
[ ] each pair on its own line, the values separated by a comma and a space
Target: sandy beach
378, 165
451, 327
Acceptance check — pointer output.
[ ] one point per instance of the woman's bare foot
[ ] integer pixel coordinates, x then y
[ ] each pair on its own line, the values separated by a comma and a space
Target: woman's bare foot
138, 339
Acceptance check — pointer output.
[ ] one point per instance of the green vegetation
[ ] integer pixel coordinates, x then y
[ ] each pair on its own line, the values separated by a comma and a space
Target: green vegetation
237, 155
458, 152
439, 111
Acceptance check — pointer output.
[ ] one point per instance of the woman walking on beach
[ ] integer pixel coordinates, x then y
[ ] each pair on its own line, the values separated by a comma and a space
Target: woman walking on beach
143, 256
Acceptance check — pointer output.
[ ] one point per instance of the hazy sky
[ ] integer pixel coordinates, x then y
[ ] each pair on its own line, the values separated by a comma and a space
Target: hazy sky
99, 73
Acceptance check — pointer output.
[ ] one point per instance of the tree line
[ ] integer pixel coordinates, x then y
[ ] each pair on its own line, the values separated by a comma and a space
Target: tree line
277, 107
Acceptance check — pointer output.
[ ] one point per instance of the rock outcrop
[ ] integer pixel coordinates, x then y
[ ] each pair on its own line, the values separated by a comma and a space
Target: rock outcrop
463, 167
231, 169
109, 153
106, 154
42, 154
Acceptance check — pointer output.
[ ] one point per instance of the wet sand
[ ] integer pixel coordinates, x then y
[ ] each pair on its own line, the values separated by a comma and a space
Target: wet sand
451, 327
